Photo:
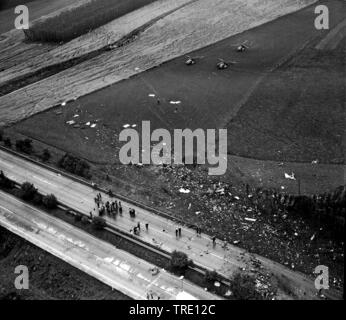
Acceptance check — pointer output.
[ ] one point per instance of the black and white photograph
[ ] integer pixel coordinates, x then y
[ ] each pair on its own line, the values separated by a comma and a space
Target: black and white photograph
187, 151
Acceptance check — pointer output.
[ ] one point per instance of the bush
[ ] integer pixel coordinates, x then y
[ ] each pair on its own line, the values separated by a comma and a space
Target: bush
99, 223
75, 165
243, 287
50, 201
37, 199
84, 220
5, 182
211, 276
179, 262
78, 217
28, 191
24, 146
45, 155
7, 142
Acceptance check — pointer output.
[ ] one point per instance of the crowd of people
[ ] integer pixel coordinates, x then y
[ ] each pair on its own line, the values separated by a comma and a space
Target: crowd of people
113, 208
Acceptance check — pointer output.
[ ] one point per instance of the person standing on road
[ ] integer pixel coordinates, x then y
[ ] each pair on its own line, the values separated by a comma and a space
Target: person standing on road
139, 225
147, 226
176, 233
179, 231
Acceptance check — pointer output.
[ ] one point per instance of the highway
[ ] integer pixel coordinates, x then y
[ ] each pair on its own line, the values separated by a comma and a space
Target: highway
114, 267
225, 260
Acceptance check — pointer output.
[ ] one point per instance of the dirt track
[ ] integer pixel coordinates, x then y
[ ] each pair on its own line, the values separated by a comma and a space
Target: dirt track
194, 26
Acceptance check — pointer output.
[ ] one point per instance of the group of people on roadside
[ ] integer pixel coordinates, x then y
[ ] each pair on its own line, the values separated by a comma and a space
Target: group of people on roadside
109, 207
112, 208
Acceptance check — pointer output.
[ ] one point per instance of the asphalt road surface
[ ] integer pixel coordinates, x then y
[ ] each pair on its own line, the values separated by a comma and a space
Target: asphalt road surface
115, 267
224, 259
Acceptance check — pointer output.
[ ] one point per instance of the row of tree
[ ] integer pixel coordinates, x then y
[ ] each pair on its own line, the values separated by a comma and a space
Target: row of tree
67, 162
25, 146
28, 192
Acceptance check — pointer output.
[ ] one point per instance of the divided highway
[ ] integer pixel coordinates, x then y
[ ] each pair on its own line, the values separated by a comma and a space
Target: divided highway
161, 230
105, 262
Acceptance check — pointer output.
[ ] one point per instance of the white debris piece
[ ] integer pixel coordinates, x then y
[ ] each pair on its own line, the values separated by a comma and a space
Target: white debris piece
64, 104
291, 177
76, 115
250, 219
175, 102
182, 190
314, 162
71, 122
151, 95
126, 126
93, 125
88, 123
236, 197
134, 126
228, 293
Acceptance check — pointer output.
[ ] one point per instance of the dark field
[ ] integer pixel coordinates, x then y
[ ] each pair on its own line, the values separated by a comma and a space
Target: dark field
80, 20
6, 4
50, 278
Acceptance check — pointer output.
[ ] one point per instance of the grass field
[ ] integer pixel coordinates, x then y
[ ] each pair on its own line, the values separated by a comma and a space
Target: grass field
297, 112
73, 23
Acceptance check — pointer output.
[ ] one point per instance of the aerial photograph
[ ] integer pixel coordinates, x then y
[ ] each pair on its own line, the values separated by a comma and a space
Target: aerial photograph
188, 150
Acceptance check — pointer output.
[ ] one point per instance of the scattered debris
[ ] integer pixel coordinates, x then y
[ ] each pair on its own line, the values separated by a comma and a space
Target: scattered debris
182, 190
291, 177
